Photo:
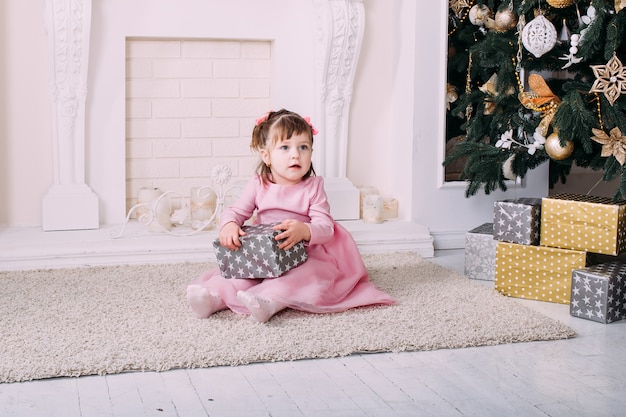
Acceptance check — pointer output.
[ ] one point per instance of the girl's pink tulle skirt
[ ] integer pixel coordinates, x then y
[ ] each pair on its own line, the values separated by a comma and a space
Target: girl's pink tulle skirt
333, 279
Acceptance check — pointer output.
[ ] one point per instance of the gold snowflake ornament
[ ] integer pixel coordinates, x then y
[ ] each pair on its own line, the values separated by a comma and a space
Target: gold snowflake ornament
610, 79
615, 144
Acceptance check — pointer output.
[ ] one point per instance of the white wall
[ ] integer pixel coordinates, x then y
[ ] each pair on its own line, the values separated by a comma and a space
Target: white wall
25, 138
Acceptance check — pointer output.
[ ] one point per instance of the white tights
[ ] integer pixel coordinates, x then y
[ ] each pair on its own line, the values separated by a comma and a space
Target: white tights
260, 308
203, 302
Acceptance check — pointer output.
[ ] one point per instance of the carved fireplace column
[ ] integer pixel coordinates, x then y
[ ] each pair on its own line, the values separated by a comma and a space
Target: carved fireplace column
340, 33
70, 204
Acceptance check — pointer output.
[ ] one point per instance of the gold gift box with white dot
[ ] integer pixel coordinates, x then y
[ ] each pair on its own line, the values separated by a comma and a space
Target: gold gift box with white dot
536, 272
582, 222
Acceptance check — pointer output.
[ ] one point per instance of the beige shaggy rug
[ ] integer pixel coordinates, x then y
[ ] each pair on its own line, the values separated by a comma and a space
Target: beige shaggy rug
102, 320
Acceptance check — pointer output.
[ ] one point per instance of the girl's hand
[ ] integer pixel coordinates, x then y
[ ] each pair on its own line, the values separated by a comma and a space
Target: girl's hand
294, 232
229, 236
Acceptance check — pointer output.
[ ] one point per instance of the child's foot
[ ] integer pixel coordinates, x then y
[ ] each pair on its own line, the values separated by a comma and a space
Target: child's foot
203, 302
261, 309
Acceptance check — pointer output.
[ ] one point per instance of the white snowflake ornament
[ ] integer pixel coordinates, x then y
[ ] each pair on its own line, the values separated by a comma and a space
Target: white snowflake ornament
539, 36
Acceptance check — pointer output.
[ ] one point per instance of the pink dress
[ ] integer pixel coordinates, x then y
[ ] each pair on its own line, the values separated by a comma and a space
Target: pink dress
332, 279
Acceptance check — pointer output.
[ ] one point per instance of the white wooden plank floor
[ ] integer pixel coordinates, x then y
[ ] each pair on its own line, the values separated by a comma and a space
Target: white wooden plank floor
580, 377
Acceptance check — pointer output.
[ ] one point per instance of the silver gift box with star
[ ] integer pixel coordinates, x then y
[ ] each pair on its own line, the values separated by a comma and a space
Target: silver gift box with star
517, 220
259, 255
480, 253
599, 292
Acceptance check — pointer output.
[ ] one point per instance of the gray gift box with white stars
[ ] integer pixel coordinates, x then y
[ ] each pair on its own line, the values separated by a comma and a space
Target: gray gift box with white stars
259, 255
517, 220
599, 292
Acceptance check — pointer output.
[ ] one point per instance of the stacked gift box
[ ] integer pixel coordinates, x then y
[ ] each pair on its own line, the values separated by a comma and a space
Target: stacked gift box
525, 267
480, 253
561, 249
597, 225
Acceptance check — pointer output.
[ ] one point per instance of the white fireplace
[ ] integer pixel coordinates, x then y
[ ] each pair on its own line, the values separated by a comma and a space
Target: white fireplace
315, 46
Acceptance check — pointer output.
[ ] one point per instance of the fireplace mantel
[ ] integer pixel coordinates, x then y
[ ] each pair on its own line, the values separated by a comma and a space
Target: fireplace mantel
316, 51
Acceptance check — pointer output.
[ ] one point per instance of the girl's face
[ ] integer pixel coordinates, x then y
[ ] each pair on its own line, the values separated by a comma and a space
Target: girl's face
290, 159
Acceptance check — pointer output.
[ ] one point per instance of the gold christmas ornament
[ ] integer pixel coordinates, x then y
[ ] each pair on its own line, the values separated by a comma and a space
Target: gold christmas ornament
480, 15
505, 19
539, 36
614, 145
559, 4
610, 79
555, 150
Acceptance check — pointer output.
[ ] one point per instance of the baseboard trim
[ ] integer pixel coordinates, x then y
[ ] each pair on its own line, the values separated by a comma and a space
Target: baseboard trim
449, 239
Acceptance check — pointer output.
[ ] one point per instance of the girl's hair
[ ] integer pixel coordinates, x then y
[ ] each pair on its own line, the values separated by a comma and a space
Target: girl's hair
282, 124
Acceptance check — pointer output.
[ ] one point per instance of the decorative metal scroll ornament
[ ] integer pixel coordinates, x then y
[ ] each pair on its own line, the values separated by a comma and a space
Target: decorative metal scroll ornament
220, 175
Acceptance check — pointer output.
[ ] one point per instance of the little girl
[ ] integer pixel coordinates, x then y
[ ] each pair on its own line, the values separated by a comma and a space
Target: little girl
286, 190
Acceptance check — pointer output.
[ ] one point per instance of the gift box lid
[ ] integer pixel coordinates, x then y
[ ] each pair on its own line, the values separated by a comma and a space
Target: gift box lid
584, 222
586, 199
525, 201
483, 229
605, 270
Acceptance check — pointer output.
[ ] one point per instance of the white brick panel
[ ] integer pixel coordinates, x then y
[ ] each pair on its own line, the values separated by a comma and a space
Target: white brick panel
252, 108
138, 68
181, 148
183, 186
196, 167
254, 88
139, 148
191, 104
143, 88
189, 68
210, 88
152, 128
181, 108
242, 68
231, 146
211, 49
138, 109
153, 168
247, 166
210, 128
256, 50
200, 168
140, 48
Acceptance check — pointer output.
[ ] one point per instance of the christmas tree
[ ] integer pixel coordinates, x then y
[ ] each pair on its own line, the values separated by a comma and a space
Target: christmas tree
533, 82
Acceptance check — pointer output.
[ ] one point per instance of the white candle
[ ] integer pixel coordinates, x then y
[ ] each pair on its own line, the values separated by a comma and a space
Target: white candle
373, 208
156, 209
203, 202
363, 192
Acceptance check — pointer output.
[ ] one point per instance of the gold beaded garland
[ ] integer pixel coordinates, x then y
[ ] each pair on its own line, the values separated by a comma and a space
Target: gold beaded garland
462, 17
599, 111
